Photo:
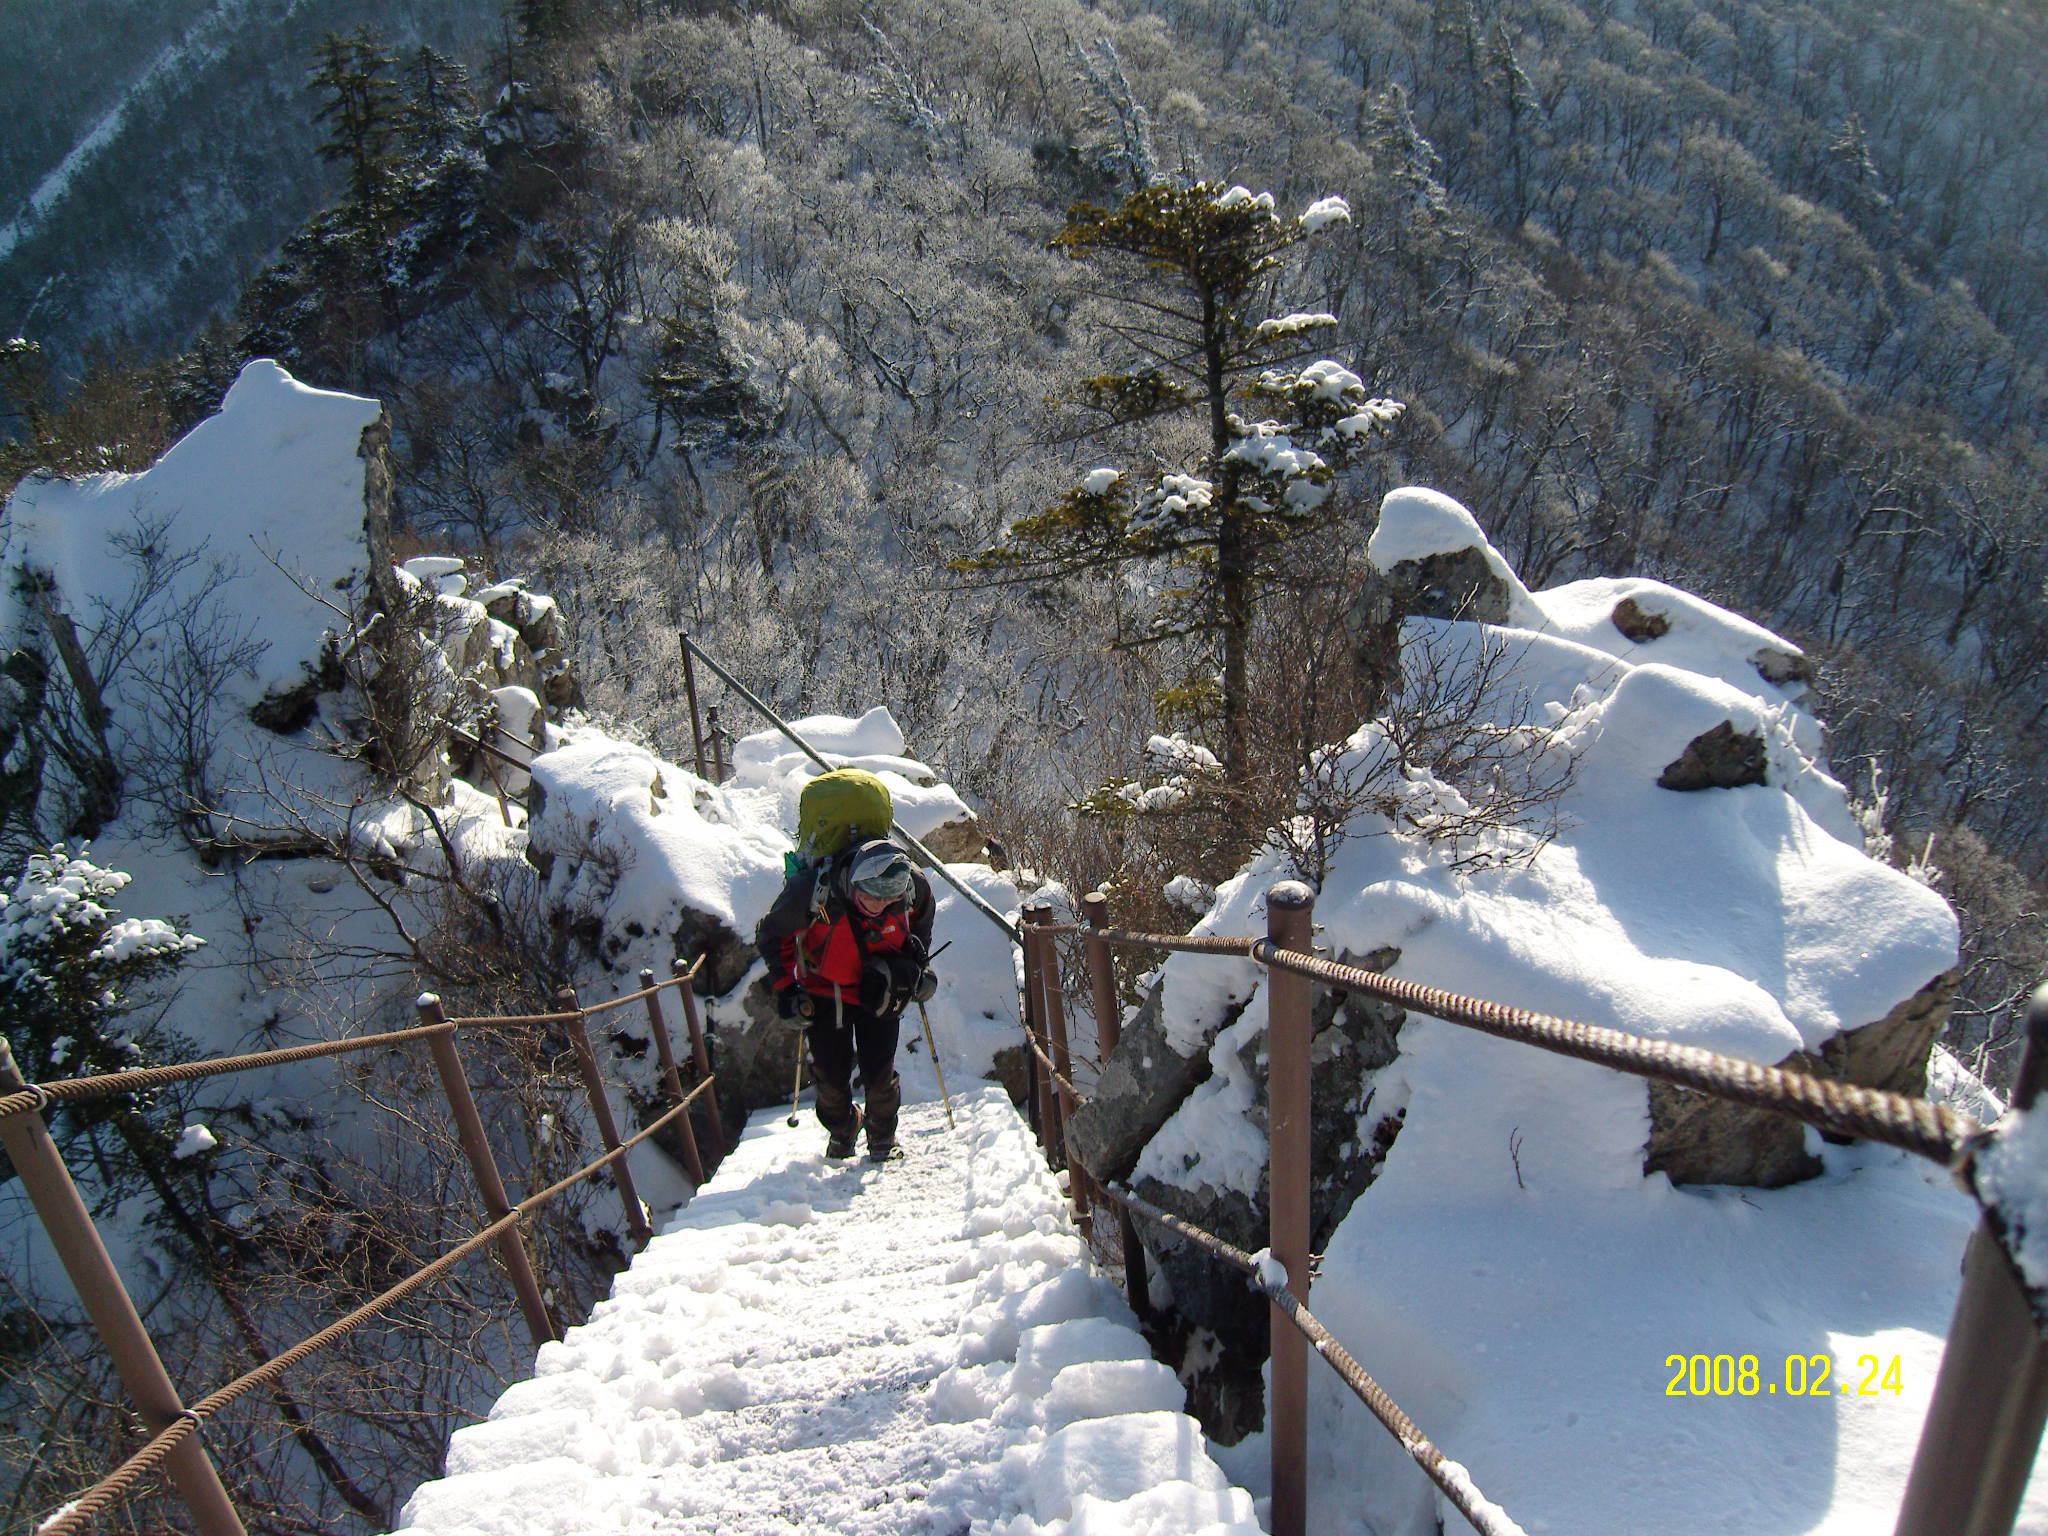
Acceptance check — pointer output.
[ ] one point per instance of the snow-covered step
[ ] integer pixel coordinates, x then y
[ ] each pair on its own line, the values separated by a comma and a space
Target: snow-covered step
849, 1350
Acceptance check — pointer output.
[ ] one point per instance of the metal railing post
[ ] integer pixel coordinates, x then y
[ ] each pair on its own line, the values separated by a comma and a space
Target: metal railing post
1063, 1066
690, 688
1036, 916
1290, 923
699, 1054
63, 1212
483, 1165
1991, 1397
717, 740
601, 1109
1108, 1031
671, 1079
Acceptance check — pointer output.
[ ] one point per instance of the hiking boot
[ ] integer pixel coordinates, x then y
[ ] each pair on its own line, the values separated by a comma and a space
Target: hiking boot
884, 1152
841, 1119
841, 1142
885, 1099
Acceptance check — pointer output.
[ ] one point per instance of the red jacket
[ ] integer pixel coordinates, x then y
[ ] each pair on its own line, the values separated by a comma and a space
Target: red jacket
815, 936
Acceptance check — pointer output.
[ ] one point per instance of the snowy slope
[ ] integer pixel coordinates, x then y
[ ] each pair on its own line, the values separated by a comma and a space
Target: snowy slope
1512, 1276
845, 1350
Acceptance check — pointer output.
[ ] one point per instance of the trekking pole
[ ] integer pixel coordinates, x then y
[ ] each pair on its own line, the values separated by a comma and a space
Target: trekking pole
797, 1086
933, 1046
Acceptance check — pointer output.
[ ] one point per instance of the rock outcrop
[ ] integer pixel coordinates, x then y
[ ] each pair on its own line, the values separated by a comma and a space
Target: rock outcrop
1695, 1139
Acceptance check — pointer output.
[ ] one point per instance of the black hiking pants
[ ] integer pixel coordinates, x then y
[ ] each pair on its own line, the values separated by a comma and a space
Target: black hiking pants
855, 1037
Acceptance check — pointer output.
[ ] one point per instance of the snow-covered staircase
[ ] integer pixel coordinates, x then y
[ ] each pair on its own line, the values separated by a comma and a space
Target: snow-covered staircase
845, 1349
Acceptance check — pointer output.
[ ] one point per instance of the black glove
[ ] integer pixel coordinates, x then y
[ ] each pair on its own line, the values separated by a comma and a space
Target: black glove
792, 1002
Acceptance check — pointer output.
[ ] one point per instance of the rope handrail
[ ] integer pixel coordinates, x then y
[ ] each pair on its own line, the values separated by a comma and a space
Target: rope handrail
1933, 1131
519, 1020
116, 1485
1486, 1517
74, 1090
633, 997
931, 860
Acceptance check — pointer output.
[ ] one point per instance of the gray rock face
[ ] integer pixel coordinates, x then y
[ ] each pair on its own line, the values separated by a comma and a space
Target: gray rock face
1142, 1084
1348, 1140
1699, 1140
1459, 585
1354, 1037
957, 842
1781, 667
755, 1064
1723, 758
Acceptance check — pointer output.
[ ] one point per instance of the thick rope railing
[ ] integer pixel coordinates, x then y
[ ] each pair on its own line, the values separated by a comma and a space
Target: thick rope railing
73, 1090
1978, 1445
677, 980
1451, 1478
1933, 1131
1487, 1518
75, 1514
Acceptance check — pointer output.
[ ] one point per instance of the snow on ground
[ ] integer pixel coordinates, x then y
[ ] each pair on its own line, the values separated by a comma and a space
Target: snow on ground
1512, 1277
849, 1350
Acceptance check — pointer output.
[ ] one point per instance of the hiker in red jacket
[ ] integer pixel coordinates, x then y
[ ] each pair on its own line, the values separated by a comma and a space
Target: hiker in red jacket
846, 944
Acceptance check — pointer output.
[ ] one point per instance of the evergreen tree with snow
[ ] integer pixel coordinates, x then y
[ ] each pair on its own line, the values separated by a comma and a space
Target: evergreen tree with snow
73, 972
362, 109
1196, 267
1406, 160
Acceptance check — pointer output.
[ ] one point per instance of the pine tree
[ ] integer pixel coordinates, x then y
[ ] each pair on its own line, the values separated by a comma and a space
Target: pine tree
1199, 264
438, 116
1510, 91
362, 110
1404, 158
1851, 174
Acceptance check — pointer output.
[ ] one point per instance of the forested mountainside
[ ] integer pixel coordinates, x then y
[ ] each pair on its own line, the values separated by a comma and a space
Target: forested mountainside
157, 153
747, 321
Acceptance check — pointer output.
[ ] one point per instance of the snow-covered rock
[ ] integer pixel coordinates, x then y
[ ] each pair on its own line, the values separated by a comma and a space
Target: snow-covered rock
1746, 919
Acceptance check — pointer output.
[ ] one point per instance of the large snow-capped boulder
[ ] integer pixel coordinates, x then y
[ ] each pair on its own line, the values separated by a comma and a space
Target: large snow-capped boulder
1734, 909
233, 617
928, 810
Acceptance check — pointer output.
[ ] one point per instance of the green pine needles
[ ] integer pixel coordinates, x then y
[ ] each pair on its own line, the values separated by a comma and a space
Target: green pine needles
1197, 271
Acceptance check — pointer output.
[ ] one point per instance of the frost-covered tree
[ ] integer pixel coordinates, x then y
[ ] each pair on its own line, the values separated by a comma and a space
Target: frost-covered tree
73, 971
1197, 269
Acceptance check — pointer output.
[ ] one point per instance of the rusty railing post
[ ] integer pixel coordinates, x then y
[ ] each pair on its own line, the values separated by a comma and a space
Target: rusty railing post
1044, 1105
1108, 1031
601, 1109
1290, 923
700, 1055
1991, 1397
483, 1164
713, 735
63, 1212
671, 1079
690, 688
1063, 1065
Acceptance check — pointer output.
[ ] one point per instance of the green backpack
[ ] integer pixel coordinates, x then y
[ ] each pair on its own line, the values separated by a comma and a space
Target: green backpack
837, 809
